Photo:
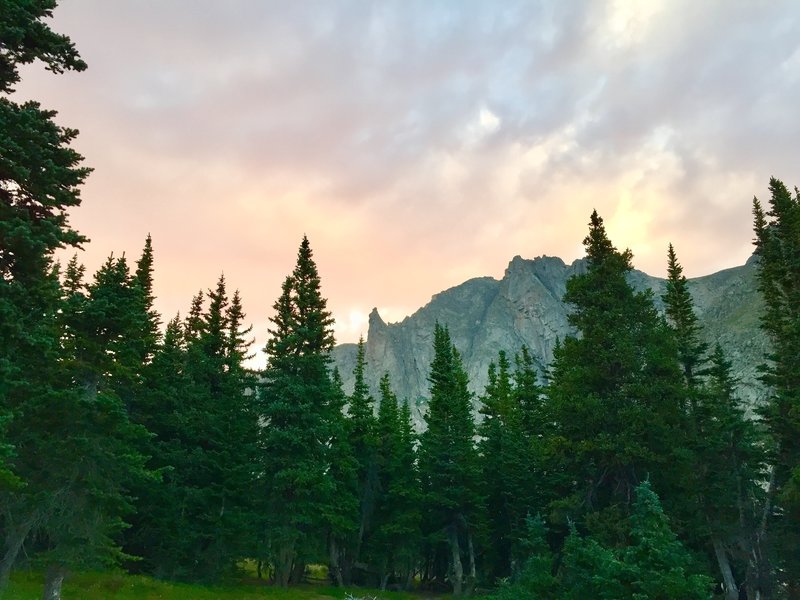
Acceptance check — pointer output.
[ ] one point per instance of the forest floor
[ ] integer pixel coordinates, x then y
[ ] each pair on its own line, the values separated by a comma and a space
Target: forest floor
120, 586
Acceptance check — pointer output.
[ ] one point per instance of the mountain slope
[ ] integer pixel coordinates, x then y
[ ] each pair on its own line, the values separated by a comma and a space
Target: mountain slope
525, 307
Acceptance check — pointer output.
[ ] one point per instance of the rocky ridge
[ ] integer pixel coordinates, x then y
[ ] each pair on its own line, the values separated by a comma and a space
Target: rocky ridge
525, 307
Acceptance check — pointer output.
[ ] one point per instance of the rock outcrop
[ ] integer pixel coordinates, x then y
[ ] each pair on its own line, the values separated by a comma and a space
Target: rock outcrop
525, 307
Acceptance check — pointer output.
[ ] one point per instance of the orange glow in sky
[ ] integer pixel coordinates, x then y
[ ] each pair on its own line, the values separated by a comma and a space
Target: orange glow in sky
419, 144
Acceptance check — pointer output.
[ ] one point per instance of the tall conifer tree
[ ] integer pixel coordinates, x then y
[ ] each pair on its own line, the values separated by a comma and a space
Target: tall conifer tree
144, 284
395, 545
81, 452
297, 403
725, 447
448, 461
615, 394
681, 317
40, 182
778, 248
498, 471
341, 517
361, 413
198, 403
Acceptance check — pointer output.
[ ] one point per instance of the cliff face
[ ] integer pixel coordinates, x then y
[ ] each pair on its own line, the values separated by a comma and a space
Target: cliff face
525, 307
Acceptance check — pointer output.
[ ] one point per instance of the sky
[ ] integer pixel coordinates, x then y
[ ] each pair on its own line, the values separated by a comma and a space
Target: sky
420, 143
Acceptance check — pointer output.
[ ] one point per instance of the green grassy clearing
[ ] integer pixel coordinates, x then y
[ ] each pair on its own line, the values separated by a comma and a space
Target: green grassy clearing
120, 586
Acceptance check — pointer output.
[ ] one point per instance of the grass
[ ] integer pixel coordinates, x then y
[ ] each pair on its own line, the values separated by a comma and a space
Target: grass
120, 586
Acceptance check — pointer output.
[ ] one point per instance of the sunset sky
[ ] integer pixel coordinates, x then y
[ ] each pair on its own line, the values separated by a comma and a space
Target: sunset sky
419, 144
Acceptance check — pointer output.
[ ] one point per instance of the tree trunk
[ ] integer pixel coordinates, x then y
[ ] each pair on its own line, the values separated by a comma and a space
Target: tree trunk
472, 578
385, 570
298, 572
456, 568
346, 565
333, 560
408, 578
728, 581
13, 544
759, 585
52, 582
283, 564
366, 507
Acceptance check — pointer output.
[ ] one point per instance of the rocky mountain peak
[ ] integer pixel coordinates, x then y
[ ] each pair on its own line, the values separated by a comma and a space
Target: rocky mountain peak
375, 320
525, 307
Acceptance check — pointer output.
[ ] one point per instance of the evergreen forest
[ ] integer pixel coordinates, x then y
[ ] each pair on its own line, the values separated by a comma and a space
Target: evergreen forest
140, 442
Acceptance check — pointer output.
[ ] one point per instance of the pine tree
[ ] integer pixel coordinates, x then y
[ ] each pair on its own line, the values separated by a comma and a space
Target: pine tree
591, 570
26, 38
514, 484
531, 426
342, 515
528, 393
361, 414
778, 249
395, 544
536, 580
40, 176
143, 279
198, 403
731, 465
615, 395
498, 471
78, 450
661, 566
297, 407
683, 321
448, 460
194, 323
725, 447
653, 565
160, 518
105, 331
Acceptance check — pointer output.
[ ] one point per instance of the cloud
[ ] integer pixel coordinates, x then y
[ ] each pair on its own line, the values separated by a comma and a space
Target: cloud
421, 143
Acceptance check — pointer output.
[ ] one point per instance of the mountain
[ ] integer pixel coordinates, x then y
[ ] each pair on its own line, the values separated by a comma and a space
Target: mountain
525, 307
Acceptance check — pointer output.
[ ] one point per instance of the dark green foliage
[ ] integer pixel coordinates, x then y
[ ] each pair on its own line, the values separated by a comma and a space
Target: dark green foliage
100, 338
493, 448
341, 518
778, 248
661, 566
24, 38
198, 403
160, 408
616, 394
363, 443
448, 462
7, 478
536, 579
143, 279
728, 474
590, 570
39, 179
223, 425
720, 507
652, 565
297, 405
447, 452
528, 394
508, 458
679, 309
77, 450
396, 541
